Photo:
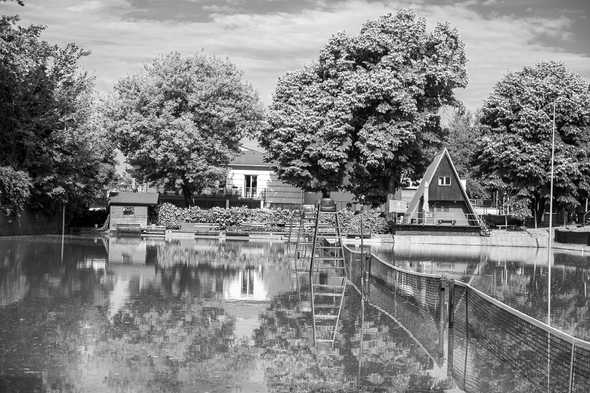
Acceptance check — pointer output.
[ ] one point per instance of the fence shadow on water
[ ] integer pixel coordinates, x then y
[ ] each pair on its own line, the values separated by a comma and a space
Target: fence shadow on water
487, 345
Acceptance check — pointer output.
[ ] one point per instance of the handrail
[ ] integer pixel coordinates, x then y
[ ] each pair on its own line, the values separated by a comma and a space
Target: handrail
550, 329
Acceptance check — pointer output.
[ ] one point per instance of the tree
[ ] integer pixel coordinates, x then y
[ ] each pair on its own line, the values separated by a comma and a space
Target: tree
368, 109
517, 129
181, 120
50, 127
15, 189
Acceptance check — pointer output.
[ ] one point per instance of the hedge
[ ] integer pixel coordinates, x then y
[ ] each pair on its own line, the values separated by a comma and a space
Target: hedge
237, 218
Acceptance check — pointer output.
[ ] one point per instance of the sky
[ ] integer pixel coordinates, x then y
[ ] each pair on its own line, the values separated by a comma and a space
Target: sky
266, 38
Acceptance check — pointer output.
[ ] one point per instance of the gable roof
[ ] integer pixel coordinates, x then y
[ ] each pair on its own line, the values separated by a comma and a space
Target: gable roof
134, 198
427, 180
249, 157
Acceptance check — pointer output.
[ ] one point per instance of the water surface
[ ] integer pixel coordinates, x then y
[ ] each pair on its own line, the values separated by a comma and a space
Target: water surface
131, 315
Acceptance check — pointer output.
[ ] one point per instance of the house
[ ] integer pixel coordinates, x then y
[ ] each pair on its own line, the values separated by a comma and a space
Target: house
249, 176
130, 209
441, 198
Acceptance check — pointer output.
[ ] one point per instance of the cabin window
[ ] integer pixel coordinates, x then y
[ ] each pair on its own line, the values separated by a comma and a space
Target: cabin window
250, 186
128, 211
444, 180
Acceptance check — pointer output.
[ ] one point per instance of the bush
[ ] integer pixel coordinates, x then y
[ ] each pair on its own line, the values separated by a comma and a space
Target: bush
226, 219
238, 218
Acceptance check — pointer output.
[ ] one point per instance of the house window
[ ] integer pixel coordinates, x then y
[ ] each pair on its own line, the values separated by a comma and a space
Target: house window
444, 180
128, 211
250, 186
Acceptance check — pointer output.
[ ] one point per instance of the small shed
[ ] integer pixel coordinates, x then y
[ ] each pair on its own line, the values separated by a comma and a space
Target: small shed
130, 209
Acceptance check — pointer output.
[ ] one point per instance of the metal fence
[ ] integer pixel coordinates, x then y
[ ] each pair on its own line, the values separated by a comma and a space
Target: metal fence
548, 358
423, 289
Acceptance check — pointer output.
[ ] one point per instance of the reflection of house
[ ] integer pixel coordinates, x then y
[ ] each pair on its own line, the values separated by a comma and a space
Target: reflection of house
247, 285
441, 199
131, 208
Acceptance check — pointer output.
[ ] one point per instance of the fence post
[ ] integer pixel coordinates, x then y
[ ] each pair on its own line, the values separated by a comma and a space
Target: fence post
451, 303
572, 359
441, 320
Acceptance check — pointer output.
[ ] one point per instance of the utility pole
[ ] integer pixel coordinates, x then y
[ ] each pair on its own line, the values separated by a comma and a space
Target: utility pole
549, 249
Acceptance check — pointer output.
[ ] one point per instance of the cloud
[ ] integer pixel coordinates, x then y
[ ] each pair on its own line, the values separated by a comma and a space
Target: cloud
266, 43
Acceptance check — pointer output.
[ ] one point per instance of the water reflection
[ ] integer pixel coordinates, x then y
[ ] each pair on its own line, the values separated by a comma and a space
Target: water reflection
133, 315
128, 315
515, 275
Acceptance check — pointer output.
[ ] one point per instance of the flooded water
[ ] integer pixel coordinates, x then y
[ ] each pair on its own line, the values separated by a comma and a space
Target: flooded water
518, 276
131, 315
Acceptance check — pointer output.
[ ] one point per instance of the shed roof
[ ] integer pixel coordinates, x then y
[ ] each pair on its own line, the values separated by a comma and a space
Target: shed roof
134, 198
250, 157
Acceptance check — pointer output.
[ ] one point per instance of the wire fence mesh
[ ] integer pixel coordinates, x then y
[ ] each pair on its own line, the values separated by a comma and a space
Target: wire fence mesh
550, 360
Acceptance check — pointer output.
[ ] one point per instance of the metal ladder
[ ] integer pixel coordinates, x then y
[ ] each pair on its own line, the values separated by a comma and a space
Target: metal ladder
327, 275
301, 251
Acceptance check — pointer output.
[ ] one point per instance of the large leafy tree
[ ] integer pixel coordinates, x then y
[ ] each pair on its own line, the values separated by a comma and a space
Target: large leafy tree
517, 122
368, 109
49, 127
15, 189
181, 120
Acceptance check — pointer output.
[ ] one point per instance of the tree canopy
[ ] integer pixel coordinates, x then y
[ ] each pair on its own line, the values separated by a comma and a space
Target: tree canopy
181, 120
50, 126
368, 109
517, 128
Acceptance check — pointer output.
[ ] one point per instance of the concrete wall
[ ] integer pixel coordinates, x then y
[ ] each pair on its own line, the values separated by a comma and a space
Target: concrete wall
139, 216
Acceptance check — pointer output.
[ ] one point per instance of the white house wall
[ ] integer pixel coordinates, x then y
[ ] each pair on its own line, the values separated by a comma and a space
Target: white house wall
236, 178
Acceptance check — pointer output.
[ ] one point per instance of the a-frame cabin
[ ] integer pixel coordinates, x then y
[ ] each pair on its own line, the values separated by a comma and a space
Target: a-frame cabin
441, 198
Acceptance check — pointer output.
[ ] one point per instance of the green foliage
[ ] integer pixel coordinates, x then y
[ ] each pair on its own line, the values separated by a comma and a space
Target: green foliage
50, 127
517, 128
225, 219
15, 189
368, 109
238, 218
181, 120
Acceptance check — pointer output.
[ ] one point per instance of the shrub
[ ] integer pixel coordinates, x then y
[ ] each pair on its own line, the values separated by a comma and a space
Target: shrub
238, 218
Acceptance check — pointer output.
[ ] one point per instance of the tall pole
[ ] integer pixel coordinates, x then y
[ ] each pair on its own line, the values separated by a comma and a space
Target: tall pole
63, 229
549, 249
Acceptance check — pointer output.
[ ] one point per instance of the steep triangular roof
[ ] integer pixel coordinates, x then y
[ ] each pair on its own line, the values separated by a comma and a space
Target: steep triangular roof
427, 179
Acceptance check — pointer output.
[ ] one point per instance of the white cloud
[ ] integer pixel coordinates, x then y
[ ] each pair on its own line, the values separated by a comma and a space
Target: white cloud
265, 46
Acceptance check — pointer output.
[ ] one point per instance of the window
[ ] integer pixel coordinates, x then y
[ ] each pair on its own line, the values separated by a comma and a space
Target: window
444, 180
128, 211
250, 186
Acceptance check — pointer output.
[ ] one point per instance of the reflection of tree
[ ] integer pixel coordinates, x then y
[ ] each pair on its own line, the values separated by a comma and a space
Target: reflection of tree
525, 288
13, 283
391, 361
158, 345
234, 254
203, 281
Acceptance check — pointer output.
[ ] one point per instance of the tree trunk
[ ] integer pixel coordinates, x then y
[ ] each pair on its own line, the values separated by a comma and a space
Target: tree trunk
187, 192
539, 210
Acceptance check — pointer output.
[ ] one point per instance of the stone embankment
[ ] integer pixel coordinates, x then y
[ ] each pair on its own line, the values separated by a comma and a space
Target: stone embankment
536, 238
